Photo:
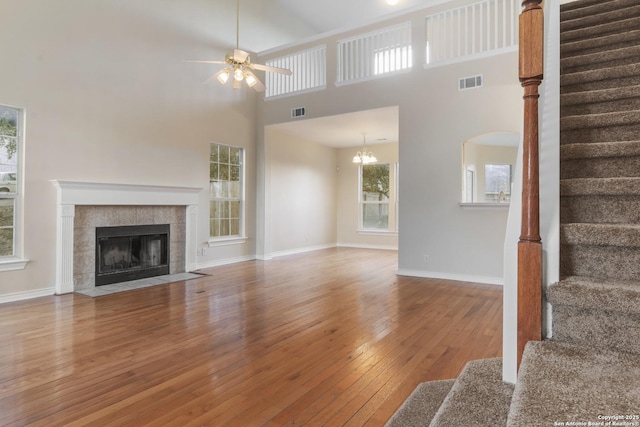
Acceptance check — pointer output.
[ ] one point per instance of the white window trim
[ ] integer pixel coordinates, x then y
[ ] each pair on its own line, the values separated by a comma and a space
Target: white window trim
13, 263
227, 241
17, 261
371, 232
484, 206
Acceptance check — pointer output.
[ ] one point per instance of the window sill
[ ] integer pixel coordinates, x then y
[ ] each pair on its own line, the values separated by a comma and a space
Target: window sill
484, 206
12, 263
377, 232
227, 241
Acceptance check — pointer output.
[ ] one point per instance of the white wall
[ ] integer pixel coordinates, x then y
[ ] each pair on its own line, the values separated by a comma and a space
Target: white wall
435, 118
108, 98
303, 196
314, 195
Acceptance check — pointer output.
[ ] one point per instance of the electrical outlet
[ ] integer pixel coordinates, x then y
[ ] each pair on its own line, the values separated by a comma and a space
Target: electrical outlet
204, 251
426, 258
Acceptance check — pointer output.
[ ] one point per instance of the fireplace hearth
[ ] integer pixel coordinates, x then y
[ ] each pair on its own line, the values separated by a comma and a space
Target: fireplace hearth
127, 253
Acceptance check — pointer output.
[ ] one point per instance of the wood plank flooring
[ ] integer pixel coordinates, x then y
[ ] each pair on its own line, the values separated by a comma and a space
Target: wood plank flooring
326, 338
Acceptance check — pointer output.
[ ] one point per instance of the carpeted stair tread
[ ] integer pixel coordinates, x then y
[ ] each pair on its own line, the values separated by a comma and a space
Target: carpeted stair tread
618, 118
581, 4
630, 72
603, 95
567, 383
600, 209
608, 100
596, 8
597, 60
603, 29
586, 292
613, 12
600, 167
597, 329
600, 187
620, 235
598, 44
478, 397
599, 150
421, 405
605, 262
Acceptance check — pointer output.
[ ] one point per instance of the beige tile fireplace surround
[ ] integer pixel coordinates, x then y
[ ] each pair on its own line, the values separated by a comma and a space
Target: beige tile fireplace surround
87, 218
83, 206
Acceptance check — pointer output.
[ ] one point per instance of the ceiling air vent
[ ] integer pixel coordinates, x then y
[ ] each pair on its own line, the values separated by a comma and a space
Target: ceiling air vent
298, 112
470, 82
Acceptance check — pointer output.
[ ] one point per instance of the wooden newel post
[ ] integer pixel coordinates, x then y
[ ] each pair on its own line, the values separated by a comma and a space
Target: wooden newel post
529, 245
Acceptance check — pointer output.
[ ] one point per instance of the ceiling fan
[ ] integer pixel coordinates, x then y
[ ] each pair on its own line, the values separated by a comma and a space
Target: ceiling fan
240, 65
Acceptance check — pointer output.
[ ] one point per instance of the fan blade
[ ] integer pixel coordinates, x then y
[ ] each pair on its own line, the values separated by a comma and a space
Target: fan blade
240, 56
210, 79
204, 62
271, 69
259, 87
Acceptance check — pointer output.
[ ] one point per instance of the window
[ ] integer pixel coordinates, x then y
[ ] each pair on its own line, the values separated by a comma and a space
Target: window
375, 194
10, 144
226, 192
497, 183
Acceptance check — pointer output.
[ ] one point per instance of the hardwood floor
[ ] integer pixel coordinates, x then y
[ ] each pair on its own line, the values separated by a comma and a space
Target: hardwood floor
331, 337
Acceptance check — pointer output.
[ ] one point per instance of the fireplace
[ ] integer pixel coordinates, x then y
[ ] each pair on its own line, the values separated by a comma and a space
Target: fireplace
131, 252
84, 206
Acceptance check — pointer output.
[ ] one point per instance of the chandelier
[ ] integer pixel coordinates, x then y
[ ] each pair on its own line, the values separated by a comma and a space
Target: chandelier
364, 157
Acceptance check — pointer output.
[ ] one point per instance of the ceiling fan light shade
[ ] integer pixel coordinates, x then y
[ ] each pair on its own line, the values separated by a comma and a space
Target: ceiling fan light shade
223, 75
251, 80
238, 74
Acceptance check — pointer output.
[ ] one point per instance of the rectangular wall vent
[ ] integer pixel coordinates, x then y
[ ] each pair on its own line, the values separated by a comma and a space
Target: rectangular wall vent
472, 82
298, 112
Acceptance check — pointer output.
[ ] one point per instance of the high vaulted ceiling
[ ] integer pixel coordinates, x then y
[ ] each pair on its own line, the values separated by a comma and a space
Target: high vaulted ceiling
267, 24
330, 15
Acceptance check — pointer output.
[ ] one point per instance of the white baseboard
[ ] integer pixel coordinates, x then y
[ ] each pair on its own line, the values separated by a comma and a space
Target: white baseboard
19, 296
488, 280
360, 246
226, 261
302, 250
291, 252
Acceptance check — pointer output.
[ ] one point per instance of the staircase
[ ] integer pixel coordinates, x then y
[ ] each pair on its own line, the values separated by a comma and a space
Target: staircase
590, 370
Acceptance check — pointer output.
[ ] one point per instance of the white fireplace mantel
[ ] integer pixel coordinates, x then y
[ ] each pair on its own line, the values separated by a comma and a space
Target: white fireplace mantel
72, 193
